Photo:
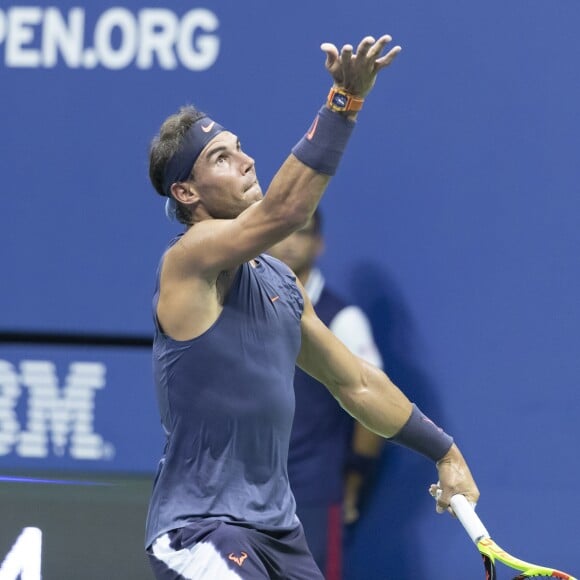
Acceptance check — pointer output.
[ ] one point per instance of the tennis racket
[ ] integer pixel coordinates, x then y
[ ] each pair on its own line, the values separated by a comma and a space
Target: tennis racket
491, 552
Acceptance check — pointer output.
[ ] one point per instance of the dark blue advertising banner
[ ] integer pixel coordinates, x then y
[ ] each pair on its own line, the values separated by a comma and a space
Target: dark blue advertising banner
78, 409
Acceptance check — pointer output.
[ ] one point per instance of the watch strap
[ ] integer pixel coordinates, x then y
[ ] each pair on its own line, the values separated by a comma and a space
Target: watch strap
340, 100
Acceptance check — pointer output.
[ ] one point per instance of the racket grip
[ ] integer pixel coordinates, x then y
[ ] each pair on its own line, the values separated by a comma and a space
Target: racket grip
468, 518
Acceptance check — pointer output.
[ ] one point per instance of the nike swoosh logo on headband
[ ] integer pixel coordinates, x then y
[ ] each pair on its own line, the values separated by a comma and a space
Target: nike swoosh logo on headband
207, 128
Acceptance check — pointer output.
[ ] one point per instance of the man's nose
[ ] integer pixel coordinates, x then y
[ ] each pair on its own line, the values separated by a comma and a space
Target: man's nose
247, 163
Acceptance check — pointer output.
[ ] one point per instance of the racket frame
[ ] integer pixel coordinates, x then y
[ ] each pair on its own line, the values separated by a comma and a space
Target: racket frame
490, 551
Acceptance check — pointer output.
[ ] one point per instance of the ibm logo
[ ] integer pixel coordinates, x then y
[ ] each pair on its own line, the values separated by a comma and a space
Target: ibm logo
56, 420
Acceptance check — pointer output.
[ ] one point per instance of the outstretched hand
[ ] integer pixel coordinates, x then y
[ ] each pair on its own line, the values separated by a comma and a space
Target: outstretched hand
357, 72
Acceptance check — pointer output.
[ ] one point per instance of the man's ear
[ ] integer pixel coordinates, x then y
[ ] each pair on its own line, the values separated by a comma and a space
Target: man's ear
184, 193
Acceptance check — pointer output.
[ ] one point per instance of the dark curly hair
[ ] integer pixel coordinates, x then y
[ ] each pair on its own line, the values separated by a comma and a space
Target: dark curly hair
165, 145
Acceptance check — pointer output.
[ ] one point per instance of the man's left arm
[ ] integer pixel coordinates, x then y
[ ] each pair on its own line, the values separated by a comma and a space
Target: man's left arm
368, 394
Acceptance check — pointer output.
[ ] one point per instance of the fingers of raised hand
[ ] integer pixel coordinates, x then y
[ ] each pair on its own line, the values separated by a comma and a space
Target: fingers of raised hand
356, 72
331, 53
374, 48
388, 58
365, 45
368, 54
346, 54
333, 64
346, 60
329, 49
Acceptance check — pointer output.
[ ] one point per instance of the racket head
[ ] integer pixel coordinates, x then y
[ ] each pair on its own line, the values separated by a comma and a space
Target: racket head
491, 552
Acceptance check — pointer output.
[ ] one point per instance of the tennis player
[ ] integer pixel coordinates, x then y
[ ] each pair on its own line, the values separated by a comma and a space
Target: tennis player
230, 325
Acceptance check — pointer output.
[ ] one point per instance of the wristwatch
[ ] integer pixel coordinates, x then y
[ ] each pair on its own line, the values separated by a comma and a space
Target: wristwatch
342, 101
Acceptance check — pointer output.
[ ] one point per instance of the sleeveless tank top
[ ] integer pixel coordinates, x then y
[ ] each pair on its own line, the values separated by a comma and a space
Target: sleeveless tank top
226, 401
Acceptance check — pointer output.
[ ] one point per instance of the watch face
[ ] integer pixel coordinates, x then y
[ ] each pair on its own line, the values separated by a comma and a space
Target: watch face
339, 100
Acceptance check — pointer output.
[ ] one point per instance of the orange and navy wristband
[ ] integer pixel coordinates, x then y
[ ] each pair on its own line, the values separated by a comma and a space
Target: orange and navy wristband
325, 142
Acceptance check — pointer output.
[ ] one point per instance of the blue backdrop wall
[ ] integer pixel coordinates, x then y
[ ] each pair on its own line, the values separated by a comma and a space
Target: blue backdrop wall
452, 221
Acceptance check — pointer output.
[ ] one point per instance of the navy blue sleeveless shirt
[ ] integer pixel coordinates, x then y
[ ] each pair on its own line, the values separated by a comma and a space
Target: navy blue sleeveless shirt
226, 400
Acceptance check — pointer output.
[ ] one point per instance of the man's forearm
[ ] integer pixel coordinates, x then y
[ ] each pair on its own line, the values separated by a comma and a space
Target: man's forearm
381, 407
376, 402
294, 193
304, 176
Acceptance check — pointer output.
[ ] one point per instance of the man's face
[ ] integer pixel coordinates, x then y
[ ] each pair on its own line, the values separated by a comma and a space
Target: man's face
225, 177
299, 250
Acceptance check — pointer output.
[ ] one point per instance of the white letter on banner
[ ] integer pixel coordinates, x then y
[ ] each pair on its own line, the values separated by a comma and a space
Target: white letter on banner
72, 412
202, 54
20, 23
108, 56
63, 37
158, 31
2, 27
9, 393
24, 561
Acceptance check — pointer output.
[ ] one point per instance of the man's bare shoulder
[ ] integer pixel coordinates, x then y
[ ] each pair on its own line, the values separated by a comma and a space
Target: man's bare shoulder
196, 235
190, 256
189, 296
